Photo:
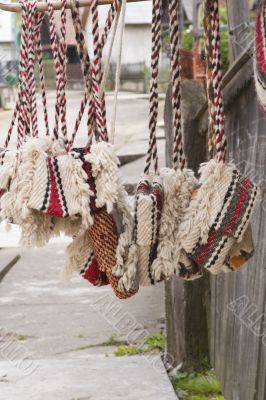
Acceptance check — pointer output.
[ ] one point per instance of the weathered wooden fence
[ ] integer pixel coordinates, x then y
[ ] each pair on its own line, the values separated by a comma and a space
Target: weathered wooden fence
237, 342
234, 305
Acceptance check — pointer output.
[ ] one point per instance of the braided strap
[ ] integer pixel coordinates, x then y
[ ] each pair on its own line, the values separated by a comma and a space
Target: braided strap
96, 73
260, 53
179, 159
87, 68
24, 100
26, 106
152, 153
59, 54
214, 80
38, 46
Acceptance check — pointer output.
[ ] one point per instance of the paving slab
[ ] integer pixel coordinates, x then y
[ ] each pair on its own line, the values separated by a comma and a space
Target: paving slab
57, 317
93, 378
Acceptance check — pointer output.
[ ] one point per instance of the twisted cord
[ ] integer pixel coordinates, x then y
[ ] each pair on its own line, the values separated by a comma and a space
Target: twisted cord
86, 67
54, 46
152, 153
63, 55
221, 143
214, 80
32, 4
210, 92
178, 152
58, 50
96, 72
23, 107
38, 45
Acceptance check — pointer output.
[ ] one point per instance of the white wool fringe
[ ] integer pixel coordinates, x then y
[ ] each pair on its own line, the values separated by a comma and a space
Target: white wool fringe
178, 186
215, 178
78, 253
104, 164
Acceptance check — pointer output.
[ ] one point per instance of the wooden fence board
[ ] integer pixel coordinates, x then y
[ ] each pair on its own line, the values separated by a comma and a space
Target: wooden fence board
237, 351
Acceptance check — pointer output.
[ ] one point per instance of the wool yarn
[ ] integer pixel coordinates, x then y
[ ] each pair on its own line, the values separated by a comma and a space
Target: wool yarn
104, 239
213, 231
60, 187
143, 249
80, 259
218, 216
178, 186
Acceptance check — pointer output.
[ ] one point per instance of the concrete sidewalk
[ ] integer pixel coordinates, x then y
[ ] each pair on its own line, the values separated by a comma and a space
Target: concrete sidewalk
54, 336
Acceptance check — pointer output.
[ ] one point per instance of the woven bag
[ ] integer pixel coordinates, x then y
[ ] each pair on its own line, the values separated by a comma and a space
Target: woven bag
109, 201
80, 259
16, 173
178, 182
149, 193
104, 238
212, 232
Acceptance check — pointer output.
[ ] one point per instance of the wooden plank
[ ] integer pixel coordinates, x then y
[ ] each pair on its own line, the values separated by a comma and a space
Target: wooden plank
238, 25
238, 353
41, 6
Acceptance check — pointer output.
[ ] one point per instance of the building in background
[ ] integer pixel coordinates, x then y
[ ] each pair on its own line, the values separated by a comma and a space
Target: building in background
8, 50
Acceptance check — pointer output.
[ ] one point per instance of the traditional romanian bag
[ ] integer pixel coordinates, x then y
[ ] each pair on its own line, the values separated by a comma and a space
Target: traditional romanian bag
214, 231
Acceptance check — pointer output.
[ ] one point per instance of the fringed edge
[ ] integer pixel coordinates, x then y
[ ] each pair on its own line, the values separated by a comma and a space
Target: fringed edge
81, 244
104, 164
83, 193
129, 279
178, 187
125, 237
197, 217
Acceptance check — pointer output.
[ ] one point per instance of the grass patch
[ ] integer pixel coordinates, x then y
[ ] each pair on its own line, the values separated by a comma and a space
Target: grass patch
128, 350
199, 386
151, 343
110, 342
13, 337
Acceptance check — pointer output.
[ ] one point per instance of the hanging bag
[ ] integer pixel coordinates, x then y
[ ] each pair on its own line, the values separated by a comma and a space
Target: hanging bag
178, 182
217, 220
16, 172
107, 245
149, 192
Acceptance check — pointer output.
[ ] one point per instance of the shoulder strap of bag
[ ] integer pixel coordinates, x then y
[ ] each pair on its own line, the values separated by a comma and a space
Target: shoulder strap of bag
179, 159
217, 139
59, 48
26, 104
86, 65
152, 154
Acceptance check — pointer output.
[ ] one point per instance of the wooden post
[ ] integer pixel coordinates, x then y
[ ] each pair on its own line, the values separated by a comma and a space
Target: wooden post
239, 27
